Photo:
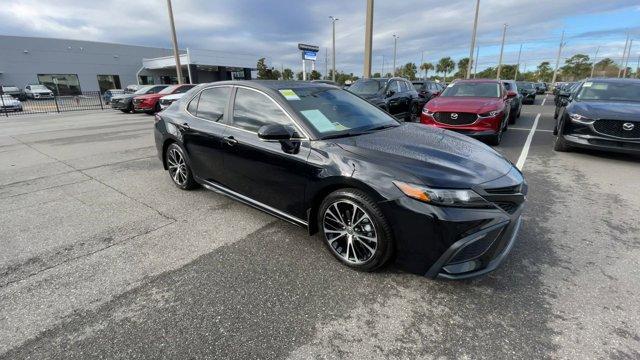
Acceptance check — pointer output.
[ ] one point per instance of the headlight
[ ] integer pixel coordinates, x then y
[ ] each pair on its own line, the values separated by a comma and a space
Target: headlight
491, 113
580, 119
426, 111
444, 197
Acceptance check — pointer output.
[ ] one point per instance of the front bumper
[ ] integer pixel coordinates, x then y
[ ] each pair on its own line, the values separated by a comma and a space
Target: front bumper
482, 127
120, 104
602, 143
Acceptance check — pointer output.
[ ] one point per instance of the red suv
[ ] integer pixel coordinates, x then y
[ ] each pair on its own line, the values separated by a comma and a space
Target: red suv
478, 108
150, 103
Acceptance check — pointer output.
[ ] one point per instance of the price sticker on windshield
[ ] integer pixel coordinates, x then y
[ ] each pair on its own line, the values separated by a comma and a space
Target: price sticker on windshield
587, 84
289, 94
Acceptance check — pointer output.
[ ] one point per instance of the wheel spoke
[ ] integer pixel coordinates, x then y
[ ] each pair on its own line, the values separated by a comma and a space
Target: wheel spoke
355, 254
371, 250
353, 215
340, 220
364, 216
372, 239
335, 218
335, 205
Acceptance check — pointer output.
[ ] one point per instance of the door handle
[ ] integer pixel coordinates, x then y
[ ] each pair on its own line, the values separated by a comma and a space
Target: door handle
183, 127
230, 141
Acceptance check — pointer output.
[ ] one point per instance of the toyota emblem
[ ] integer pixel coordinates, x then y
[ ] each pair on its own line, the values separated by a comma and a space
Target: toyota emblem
455, 116
625, 126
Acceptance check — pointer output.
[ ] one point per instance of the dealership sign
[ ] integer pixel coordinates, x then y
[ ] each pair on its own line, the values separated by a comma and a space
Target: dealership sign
305, 47
309, 55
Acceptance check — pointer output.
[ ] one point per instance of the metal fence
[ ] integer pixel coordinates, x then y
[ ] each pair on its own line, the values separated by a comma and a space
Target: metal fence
89, 100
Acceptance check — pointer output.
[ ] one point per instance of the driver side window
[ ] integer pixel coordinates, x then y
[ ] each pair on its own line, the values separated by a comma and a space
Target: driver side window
252, 110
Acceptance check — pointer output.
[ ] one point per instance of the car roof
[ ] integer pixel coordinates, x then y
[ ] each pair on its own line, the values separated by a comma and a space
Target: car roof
494, 81
613, 80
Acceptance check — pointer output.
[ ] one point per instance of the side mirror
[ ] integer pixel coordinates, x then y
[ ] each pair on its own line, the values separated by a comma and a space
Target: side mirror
390, 93
275, 132
511, 94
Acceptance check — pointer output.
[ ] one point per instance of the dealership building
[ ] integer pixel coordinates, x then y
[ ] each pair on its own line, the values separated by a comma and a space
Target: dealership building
74, 66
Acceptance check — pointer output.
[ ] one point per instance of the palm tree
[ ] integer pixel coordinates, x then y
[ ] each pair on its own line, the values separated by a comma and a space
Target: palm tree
445, 65
426, 67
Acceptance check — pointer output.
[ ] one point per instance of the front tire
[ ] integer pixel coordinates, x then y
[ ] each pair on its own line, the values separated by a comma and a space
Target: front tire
496, 139
179, 170
561, 144
355, 230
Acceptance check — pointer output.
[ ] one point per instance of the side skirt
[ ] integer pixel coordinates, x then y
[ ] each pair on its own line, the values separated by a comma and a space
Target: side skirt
251, 202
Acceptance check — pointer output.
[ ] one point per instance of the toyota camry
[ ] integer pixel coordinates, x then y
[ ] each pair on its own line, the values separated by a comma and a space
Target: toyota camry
435, 202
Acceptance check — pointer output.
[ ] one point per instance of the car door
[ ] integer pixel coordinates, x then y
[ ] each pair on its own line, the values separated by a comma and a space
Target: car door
265, 171
394, 98
203, 130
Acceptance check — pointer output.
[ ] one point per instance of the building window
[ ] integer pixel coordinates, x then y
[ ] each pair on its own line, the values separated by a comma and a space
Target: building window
107, 82
61, 84
146, 80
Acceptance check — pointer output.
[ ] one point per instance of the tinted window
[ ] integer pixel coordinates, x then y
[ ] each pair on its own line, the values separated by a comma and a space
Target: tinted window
184, 89
393, 85
366, 87
334, 112
403, 86
154, 89
473, 89
213, 103
252, 110
609, 91
507, 86
193, 105
417, 86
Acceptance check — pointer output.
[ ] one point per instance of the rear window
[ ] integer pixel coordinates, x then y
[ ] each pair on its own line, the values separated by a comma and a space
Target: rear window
417, 86
366, 87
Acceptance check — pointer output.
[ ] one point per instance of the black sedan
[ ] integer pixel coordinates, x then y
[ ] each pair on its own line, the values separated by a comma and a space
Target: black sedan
427, 89
601, 114
436, 202
528, 92
124, 102
397, 96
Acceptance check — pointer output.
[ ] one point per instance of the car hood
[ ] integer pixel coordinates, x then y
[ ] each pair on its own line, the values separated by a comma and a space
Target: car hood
9, 102
433, 156
149, 96
607, 110
123, 96
464, 104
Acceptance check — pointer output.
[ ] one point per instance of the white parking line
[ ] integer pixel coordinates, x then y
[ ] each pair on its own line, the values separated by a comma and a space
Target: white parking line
544, 100
527, 144
525, 129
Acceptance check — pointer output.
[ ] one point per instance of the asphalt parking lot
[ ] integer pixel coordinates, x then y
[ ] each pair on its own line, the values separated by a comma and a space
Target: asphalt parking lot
103, 257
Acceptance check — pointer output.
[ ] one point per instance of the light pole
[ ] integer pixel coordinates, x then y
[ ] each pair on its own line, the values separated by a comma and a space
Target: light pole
624, 52
382, 70
475, 71
626, 63
395, 47
515, 78
368, 39
555, 71
473, 40
504, 34
593, 65
422, 62
333, 60
174, 39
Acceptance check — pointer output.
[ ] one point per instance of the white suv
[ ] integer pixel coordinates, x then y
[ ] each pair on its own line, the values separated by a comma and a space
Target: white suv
38, 92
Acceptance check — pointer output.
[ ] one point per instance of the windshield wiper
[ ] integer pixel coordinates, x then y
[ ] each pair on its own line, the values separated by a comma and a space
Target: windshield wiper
381, 127
341, 135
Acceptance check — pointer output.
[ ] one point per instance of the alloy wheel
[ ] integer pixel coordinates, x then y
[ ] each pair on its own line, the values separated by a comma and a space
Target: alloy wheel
177, 167
350, 232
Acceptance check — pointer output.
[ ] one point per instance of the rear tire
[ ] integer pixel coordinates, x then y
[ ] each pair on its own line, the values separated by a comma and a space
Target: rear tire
496, 139
124, 111
178, 168
340, 219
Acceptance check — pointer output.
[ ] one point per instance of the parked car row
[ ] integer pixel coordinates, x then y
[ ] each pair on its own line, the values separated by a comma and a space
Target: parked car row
9, 103
147, 99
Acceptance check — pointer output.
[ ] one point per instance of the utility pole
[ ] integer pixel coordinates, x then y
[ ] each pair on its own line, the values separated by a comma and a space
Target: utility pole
326, 63
424, 75
475, 71
395, 47
473, 40
623, 54
504, 34
382, 70
555, 71
333, 61
515, 78
626, 63
368, 39
638, 68
593, 65
174, 39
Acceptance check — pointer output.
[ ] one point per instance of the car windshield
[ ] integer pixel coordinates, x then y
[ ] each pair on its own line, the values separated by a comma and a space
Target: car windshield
609, 91
168, 90
523, 85
507, 86
472, 89
367, 87
143, 90
10, 88
335, 112
39, 87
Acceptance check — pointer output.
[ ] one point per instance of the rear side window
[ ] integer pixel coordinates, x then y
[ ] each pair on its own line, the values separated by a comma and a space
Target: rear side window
213, 103
403, 86
193, 105
183, 89
252, 110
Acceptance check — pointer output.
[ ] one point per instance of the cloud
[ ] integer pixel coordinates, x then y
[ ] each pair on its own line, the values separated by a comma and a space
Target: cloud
272, 29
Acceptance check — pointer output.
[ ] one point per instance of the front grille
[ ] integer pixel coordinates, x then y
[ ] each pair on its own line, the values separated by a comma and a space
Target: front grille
615, 128
166, 101
515, 189
473, 250
457, 119
507, 206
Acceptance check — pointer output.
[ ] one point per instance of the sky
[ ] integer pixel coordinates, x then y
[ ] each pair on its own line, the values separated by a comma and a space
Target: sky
427, 29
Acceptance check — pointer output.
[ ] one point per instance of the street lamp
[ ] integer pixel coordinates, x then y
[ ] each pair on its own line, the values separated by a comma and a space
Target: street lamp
473, 40
174, 39
333, 61
395, 47
504, 34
